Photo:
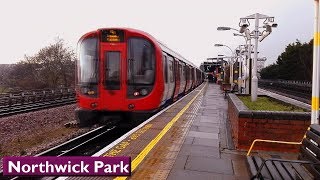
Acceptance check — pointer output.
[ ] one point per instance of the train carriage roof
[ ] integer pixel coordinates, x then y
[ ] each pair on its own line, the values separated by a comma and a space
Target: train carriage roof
175, 54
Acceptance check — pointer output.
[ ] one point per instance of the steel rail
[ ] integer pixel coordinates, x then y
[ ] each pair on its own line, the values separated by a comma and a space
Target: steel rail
36, 106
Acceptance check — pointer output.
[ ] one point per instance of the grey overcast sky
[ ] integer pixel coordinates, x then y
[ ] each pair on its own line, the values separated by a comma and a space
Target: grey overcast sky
188, 27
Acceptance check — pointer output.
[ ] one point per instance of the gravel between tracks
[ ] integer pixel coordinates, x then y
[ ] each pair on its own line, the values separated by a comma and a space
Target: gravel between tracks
33, 132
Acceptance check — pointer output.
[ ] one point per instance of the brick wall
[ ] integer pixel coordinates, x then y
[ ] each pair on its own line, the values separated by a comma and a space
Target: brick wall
233, 116
246, 127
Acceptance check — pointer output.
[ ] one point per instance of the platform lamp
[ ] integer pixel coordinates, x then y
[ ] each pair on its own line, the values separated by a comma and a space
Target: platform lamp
222, 65
222, 28
230, 62
242, 83
268, 25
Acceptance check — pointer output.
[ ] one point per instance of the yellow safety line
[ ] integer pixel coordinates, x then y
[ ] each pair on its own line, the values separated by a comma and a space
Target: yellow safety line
135, 163
315, 103
316, 37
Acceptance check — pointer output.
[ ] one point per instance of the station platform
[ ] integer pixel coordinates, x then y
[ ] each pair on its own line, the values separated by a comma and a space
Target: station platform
188, 140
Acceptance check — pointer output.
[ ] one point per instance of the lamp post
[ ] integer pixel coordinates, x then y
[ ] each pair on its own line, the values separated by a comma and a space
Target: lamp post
230, 63
222, 66
268, 24
242, 82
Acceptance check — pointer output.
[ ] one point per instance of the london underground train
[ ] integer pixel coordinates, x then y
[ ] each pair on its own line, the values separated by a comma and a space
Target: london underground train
123, 71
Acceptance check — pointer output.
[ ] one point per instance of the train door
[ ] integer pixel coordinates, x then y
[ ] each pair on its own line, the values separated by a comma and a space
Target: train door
177, 78
182, 78
113, 71
187, 78
171, 76
192, 78
165, 78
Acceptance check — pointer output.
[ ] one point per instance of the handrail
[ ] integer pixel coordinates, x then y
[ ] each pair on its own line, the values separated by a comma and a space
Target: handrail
279, 142
271, 141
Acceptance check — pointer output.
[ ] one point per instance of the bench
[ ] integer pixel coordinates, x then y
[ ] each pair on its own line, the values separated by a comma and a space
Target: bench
306, 167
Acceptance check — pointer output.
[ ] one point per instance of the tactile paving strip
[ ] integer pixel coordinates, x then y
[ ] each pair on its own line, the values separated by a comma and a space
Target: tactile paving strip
151, 174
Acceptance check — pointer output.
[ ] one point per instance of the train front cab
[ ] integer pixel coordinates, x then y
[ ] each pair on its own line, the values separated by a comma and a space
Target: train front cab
116, 73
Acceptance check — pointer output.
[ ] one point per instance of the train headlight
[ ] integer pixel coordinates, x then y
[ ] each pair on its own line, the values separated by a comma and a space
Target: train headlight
94, 105
143, 92
91, 91
140, 91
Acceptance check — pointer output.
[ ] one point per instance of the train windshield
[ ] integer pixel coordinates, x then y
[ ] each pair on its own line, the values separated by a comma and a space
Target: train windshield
141, 62
88, 61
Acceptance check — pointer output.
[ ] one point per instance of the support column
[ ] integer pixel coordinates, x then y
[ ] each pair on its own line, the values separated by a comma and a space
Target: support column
315, 70
254, 82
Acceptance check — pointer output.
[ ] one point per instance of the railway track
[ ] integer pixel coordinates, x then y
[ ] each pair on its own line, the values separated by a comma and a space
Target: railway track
298, 92
303, 97
23, 108
84, 145
32, 100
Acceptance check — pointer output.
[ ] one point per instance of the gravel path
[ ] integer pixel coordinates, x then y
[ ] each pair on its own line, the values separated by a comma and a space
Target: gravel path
31, 133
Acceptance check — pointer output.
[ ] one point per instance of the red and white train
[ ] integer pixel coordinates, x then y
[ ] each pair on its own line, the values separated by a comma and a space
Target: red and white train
122, 70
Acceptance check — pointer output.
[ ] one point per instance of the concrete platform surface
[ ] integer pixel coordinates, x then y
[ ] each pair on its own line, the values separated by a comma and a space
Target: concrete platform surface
205, 153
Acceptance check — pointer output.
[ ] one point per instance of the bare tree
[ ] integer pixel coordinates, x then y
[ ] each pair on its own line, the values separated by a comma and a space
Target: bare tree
5, 70
52, 67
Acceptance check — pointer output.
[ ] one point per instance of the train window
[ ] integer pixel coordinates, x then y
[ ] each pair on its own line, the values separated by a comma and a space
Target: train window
88, 61
165, 68
185, 72
112, 67
180, 70
170, 64
171, 77
192, 74
141, 62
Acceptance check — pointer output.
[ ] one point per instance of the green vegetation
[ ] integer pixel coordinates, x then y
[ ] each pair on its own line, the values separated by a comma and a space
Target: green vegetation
268, 104
295, 63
